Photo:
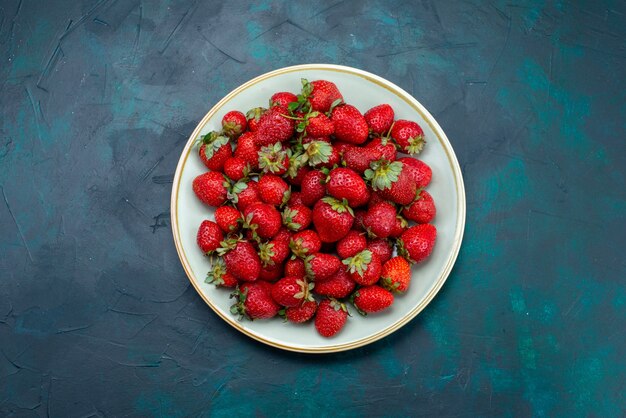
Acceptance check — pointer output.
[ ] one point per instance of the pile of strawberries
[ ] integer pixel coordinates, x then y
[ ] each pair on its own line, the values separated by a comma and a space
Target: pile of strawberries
311, 199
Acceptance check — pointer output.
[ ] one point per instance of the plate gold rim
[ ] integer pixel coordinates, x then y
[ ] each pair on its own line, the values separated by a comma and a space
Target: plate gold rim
441, 137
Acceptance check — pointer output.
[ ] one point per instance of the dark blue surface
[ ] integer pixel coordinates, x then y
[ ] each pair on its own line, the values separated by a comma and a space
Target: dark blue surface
97, 100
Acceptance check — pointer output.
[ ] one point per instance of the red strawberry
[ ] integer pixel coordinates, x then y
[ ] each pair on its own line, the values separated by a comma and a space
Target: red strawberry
422, 173
219, 276
364, 267
247, 150
295, 268
370, 299
359, 159
241, 259
417, 242
262, 218
344, 183
254, 301
334, 159
350, 125
324, 94
214, 150
271, 273
282, 98
359, 216
273, 190
354, 242
209, 236
274, 252
292, 291
274, 126
399, 227
313, 187
342, 146
253, 116
228, 218
318, 125
302, 313
393, 181
330, 317
273, 159
296, 171
320, 266
211, 188
234, 123
422, 210
396, 275
295, 199
283, 235
244, 193
408, 135
340, 285
379, 118
297, 217
386, 148
380, 219
236, 168
381, 247
304, 243
332, 219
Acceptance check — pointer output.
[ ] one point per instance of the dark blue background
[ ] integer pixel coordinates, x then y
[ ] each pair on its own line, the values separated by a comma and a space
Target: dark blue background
97, 99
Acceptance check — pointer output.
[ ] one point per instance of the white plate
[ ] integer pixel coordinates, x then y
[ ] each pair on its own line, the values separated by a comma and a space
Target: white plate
363, 90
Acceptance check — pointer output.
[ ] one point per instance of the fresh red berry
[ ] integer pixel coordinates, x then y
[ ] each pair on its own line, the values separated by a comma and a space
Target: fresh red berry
324, 94
297, 217
313, 187
228, 218
339, 285
236, 168
380, 219
210, 188
241, 259
396, 274
332, 219
385, 146
364, 268
271, 273
274, 252
379, 118
416, 243
381, 247
295, 268
244, 193
253, 116
321, 266
209, 236
408, 135
359, 159
234, 123
283, 98
421, 173
263, 219
344, 183
354, 242
350, 125
302, 313
305, 243
330, 317
274, 126
371, 299
292, 291
393, 181
273, 190
248, 150
214, 150
219, 276
422, 210
319, 126
254, 301
274, 159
